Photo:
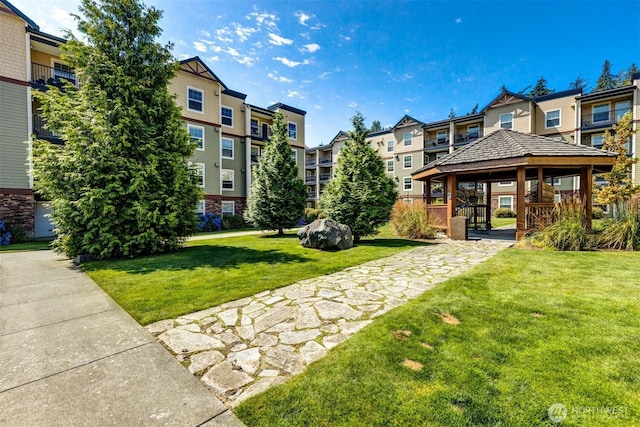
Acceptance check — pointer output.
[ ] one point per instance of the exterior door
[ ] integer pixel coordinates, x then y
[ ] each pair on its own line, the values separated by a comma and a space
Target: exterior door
44, 228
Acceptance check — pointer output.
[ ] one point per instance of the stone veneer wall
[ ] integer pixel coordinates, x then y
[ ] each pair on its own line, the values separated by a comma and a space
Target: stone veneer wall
213, 204
18, 209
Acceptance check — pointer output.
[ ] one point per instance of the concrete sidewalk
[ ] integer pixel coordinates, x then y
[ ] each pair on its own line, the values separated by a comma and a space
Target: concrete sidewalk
69, 355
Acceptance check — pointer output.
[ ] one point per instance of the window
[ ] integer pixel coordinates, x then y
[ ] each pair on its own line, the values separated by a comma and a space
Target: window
506, 121
196, 134
408, 161
597, 141
227, 148
408, 142
505, 202
474, 132
552, 119
293, 130
195, 100
389, 146
61, 70
557, 198
255, 127
294, 155
390, 165
407, 183
505, 184
441, 137
228, 207
198, 172
201, 207
227, 179
601, 113
226, 116
256, 153
622, 108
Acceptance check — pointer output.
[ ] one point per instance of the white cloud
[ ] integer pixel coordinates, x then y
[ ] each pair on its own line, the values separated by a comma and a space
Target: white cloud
288, 62
458, 20
324, 75
213, 58
311, 47
233, 52
303, 17
243, 33
411, 99
199, 46
263, 18
353, 104
317, 27
278, 40
294, 94
318, 107
275, 76
246, 60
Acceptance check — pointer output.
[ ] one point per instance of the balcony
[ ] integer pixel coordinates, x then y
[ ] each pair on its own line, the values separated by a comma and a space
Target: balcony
434, 144
467, 137
311, 195
310, 163
325, 177
602, 119
326, 160
41, 132
43, 76
255, 159
310, 179
261, 134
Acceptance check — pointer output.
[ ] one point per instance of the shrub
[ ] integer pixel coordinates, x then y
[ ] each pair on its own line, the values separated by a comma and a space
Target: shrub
209, 222
411, 220
597, 213
568, 232
504, 213
624, 232
5, 235
311, 214
234, 222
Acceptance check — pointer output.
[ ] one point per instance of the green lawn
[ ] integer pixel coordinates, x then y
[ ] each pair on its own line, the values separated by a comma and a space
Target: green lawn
27, 246
210, 272
536, 328
500, 222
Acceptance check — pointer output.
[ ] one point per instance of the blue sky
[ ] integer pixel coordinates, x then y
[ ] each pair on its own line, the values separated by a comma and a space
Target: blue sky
387, 58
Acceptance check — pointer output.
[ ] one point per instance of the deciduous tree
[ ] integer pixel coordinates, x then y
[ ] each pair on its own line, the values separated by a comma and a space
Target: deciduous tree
121, 184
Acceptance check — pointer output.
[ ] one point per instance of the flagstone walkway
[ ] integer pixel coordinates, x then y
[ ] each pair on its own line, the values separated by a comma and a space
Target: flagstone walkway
243, 347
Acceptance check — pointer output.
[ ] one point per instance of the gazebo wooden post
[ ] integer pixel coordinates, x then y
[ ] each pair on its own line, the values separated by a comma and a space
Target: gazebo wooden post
540, 181
450, 195
488, 184
427, 186
521, 224
586, 193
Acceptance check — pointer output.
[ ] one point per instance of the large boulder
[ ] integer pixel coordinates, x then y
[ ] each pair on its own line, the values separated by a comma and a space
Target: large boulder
326, 234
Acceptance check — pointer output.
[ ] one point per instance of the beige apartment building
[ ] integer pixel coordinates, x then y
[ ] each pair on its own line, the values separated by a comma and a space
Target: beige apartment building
568, 116
228, 132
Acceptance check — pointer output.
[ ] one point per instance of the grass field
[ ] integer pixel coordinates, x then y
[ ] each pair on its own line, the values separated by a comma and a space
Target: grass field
210, 272
535, 328
27, 246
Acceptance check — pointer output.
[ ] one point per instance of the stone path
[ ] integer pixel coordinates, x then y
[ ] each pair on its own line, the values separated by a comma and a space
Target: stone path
243, 347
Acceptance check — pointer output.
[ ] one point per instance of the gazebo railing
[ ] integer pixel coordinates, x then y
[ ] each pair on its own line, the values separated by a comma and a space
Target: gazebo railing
538, 215
438, 213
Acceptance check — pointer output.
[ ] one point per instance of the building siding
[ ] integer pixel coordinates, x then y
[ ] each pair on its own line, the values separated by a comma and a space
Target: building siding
14, 131
13, 47
211, 113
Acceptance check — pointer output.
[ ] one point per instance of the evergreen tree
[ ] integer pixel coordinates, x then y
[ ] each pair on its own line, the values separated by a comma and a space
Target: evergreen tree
360, 194
121, 184
540, 89
452, 113
503, 88
474, 110
579, 83
619, 182
627, 77
606, 80
375, 126
278, 195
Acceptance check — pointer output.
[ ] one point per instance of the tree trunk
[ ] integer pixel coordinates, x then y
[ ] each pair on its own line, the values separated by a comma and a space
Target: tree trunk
280, 231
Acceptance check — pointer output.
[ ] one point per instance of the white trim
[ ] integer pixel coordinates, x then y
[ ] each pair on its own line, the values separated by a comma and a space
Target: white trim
29, 138
439, 134
393, 165
392, 146
404, 139
404, 163
232, 115
593, 137
233, 207
505, 197
233, 148
513, 116
546, 118
233, 179
404, 184
474, 126
189, 126
200, 166
202, 92
504, 184
202, 207
294, 155
289, 130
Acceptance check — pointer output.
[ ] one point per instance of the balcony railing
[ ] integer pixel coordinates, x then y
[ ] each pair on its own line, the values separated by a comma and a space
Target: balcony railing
42, 75
41, 132
310, 179
324, 177
325, 160
436, 142
467, 137
261, 133
255, 158
605, 118
311, 195
310, 162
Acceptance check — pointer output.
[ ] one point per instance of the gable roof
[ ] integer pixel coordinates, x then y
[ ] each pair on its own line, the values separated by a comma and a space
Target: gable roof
506, 95
507, 148
198, 67
24, 17
407, 120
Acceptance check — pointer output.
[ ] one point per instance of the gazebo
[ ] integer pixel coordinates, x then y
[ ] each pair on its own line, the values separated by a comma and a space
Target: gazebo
506, 155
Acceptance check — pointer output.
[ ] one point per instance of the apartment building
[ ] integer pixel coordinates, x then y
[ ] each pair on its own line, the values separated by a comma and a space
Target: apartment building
569, 116
229, 133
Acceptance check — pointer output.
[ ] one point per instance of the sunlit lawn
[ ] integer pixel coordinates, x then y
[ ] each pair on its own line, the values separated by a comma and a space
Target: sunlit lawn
536, 328
210, 272
26, 246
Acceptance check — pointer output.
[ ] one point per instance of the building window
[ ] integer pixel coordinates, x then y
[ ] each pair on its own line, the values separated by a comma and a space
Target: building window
601, 113
553, 181
227, 148
201, 207
198, 172
407, 183
622, 108
196, 134
505, 202
505, 184
228, 207
256, 153
389, 146
226, 116
255, 127
506, 121
390, 165
408, 142
61, 70
441, 137
293, 130
294, 155
552, 119
597, 141
195, 100
473, 132
227, 179
408, 161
